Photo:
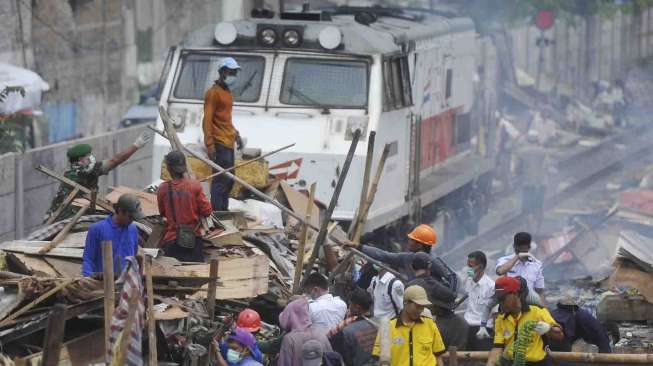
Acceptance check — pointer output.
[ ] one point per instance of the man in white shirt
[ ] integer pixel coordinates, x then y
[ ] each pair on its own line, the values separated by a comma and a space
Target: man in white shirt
326, 310
523, 264
388, 294
479, 289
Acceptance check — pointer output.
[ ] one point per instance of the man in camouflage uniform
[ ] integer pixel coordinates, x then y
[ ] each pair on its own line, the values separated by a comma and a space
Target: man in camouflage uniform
86, 171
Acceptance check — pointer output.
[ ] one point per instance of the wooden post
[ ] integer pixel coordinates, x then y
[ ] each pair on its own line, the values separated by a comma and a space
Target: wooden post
151, 322
93, 201
37, 301
121, 355
213, 284
243, 163
54, 332
366, 182
19, 197
453, 357
322, 234
299, 266
109, 291
362, 217
69, 199
64, 232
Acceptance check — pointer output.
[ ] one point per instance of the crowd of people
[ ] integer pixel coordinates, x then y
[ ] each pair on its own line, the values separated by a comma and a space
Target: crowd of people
402, 311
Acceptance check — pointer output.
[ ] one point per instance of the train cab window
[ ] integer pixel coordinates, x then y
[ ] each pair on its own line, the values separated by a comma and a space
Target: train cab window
463, 129
447, 90
397, 92
333, 83
200, 70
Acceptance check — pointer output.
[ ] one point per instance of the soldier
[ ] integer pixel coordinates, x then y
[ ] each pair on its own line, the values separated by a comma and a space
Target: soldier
86, 171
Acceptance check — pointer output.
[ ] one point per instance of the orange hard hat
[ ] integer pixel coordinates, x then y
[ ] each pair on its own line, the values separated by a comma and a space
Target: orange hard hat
250, 320
424, 234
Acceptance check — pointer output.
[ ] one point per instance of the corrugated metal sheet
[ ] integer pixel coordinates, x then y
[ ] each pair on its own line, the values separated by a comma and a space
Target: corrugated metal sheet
61, 120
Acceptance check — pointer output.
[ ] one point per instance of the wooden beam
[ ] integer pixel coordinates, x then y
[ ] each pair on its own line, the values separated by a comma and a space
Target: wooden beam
322, 234
245, 162
54, 333
64, 232
299, 266
36, 301
210, 297
151, 322
366, 181
69, 199
100, 201
364, 211
109, 290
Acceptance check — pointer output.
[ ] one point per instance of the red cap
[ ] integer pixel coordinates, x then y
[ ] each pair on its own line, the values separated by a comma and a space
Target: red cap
506, 285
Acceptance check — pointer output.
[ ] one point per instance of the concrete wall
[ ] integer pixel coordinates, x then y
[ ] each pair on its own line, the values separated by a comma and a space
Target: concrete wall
26, 194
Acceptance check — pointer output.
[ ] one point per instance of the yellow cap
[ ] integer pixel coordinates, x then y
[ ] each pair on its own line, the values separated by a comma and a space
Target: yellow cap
417, 295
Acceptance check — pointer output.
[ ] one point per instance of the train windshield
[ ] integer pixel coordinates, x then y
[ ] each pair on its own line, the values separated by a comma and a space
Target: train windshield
199, 71
325, 83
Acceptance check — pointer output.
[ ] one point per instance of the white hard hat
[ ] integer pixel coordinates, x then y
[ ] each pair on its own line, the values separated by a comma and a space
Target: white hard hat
229, 63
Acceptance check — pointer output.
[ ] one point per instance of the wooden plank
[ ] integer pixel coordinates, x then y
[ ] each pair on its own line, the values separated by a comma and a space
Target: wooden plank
34, 247
109, 290
298, 203
62, 234
84, 350
301, 248
213, 273
34, 265
54, 332
149, 205
100, 201
74, 240
67, 268
63, 206
36, 301
151, 323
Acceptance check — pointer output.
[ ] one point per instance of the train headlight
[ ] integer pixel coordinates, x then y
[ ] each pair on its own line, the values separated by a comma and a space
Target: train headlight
225, 33
267, 36
330, 38
292, 38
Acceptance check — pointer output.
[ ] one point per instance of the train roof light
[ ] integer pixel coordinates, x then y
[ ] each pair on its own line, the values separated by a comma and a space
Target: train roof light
267, 36
330, 38
225, 33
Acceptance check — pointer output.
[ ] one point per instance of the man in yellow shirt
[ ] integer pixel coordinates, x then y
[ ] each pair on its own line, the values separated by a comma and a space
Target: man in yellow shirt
519, 320
413, 339
220, 135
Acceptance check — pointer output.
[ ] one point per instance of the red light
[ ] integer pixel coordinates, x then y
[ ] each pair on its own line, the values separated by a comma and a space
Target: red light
544, 19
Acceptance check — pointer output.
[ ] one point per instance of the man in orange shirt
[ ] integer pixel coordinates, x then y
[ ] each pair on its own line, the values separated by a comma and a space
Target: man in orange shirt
220, 135
182, 203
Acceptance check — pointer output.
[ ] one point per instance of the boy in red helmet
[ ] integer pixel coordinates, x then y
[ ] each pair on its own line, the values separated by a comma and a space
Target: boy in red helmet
250, 321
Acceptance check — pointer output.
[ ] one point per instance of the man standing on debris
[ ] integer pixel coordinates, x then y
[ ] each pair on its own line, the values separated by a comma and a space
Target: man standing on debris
523, 264
479, 289
182, 203
118, 229
86, 171
519, 329
388, 293
295, 319
354, 337
220, 135
326, 310
410, 338
421, 239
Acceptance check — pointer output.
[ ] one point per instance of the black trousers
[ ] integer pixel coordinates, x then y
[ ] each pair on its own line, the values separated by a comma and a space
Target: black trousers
221, 185
195, 254
475, 344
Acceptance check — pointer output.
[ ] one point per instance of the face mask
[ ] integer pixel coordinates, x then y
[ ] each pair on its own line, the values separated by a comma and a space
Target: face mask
233, 356
470, 271
91, 164
230, 80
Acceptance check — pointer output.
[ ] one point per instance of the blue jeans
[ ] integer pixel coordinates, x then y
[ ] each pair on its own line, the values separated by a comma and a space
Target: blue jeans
221, 185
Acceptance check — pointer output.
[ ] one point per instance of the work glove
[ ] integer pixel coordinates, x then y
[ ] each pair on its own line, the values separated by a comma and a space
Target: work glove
542, 328
482, 333
143, 139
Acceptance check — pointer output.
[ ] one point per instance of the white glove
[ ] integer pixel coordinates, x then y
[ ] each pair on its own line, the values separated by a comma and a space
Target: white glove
482, 334
143, 139
525, 256
542, 328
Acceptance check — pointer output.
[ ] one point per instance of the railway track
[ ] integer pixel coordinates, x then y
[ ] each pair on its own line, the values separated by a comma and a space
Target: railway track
576, 173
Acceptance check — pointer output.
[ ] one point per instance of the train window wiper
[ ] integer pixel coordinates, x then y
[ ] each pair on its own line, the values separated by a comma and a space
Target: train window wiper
248, 84
306, 98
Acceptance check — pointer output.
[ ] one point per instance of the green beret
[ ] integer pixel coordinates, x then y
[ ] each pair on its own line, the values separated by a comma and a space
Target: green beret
78, 151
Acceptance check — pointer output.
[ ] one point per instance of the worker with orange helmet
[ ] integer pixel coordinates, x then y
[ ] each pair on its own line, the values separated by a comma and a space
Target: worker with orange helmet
422, 239
248, 320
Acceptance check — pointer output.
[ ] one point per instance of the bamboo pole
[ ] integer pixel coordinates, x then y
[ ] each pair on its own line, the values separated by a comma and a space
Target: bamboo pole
213, 284
151, 322
302, 242
322, 234
245, 162
362, 217
64, 232
596, 358
366, 181
100, 202
54, 332
109, 290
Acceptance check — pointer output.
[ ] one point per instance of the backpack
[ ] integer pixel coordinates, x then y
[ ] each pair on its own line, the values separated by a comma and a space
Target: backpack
392, 300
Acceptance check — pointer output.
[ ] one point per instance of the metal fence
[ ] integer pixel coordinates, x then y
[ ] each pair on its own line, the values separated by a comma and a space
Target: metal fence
26, 194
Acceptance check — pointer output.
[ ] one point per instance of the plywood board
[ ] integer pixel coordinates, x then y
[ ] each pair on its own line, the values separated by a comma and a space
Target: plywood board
298, 202
66, 267
148, 201
33, 247
170, 313
34, 265
85, 350
74, 240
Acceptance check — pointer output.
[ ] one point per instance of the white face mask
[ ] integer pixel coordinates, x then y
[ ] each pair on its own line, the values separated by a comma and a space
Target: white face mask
91, 164
230, 80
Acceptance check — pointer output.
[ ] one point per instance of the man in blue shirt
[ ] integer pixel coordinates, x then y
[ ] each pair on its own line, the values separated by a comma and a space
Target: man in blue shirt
118, 229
